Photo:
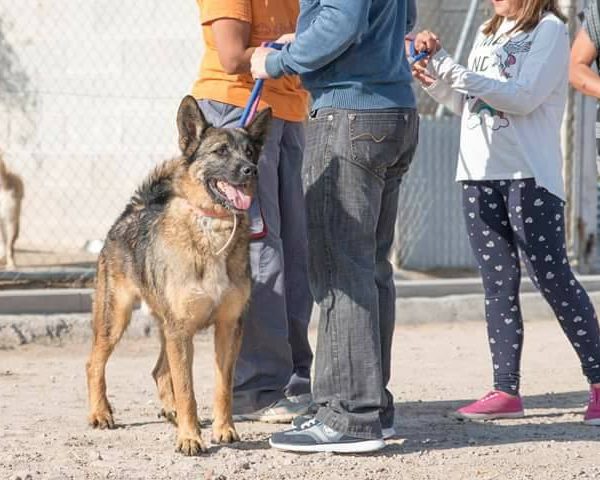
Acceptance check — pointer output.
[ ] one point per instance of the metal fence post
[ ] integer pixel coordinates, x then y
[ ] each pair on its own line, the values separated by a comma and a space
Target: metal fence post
572, 187
462, 42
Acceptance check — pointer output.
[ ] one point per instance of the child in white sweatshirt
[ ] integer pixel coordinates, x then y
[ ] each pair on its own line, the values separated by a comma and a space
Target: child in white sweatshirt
512, 98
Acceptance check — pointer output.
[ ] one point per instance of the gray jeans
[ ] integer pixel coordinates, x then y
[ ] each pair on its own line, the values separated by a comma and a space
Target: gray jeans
275, 347
353, 165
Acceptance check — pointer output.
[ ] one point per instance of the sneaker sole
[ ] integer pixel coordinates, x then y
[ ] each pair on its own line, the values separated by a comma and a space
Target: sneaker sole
354, 447
284, 418
487, 416
595, 422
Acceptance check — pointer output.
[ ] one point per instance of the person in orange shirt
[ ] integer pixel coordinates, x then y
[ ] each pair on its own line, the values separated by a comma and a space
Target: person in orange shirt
272, 377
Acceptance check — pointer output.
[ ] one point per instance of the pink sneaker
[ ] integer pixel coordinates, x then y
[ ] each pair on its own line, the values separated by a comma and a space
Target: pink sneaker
494, 405
592, 415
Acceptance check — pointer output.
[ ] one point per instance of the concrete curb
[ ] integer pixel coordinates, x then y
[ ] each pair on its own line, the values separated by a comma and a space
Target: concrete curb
468, 308
467, 286
46, 301
79, 300
55, 329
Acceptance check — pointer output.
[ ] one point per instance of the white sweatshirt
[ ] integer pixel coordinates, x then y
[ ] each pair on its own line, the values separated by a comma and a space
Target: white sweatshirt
512, 99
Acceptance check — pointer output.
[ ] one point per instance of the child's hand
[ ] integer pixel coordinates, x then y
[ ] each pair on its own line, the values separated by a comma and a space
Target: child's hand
420, 73
427, 41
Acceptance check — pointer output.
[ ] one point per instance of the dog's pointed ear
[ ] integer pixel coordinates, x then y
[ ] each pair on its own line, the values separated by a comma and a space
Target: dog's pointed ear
259, 127
191, 124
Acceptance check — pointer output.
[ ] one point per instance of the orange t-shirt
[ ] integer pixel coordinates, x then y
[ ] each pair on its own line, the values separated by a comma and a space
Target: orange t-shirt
269, 20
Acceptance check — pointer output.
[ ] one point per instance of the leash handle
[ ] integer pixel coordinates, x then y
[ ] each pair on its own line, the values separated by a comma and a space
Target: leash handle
414, 55
252, 104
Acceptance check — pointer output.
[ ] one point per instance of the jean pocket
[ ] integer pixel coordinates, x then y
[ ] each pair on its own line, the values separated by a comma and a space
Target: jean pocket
376, 139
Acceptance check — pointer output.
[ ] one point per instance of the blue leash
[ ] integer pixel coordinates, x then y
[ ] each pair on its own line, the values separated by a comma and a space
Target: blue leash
414, 56
252, 104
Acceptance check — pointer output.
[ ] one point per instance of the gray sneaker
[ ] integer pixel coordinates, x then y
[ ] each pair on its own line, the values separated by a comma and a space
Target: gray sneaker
315, 436
307, 400
301, 422
282, 411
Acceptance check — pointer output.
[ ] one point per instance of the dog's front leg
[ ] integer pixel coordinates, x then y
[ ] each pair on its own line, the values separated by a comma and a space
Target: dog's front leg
228, 337
180, 352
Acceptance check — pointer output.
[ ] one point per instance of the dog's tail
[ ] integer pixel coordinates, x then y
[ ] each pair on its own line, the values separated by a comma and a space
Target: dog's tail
2, 165
11, 180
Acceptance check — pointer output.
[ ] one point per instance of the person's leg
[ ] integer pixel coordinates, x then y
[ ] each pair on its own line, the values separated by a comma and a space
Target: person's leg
344, 183
264, 365
298, 298
348, 155
384, 273
537, 218
493, 244
494, 247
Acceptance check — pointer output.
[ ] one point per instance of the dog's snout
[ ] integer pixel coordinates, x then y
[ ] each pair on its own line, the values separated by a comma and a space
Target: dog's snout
249, 170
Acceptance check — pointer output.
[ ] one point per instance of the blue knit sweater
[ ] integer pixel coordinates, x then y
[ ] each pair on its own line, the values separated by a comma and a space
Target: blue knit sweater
350, 53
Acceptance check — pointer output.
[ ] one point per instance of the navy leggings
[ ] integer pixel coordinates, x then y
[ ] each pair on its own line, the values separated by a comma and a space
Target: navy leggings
504, 217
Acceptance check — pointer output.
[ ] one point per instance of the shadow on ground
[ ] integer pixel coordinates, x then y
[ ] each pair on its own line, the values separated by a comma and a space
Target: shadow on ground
427, 426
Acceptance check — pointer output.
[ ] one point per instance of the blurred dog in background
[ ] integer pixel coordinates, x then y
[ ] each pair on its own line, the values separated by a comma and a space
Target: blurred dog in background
11, 196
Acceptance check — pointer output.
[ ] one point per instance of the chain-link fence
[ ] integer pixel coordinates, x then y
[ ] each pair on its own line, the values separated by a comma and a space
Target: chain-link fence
448, 19
425, 198
88, 97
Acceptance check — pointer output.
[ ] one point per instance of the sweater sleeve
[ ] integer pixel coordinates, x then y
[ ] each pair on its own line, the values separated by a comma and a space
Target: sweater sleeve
522, 94
337, 26
442, 93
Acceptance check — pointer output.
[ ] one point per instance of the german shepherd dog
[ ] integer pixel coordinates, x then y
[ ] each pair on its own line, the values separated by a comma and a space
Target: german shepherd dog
181, 246
11, 197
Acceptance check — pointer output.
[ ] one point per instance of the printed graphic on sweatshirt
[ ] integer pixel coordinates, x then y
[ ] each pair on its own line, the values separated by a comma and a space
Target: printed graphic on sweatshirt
510, 49
505, 59
481, 113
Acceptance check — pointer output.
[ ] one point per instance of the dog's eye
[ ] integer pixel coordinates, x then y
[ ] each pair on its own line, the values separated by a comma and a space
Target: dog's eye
222, 150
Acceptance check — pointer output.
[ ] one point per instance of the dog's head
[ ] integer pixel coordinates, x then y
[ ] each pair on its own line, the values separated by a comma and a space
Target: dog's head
223, 161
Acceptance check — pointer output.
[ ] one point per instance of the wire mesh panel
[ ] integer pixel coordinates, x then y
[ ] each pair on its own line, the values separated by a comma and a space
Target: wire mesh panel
430, 232
88, 97
447, 18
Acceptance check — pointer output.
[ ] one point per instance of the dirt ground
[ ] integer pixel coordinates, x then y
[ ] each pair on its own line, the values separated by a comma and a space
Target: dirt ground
43, 432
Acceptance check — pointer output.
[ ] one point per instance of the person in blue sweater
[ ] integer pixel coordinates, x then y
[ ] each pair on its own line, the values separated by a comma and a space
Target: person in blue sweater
361, 137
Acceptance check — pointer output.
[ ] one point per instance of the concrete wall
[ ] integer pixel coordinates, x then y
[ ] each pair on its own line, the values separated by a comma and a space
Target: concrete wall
90, 90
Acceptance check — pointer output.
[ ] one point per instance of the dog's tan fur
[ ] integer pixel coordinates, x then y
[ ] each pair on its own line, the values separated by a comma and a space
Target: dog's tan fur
11, 197
170, 262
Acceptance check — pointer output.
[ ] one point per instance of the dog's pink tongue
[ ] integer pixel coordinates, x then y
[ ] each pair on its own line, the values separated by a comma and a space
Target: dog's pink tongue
240, 199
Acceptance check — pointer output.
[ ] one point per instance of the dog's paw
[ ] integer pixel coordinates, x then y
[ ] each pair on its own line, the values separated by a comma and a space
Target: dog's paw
190, 445
101, 419
170, 416
225, 434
